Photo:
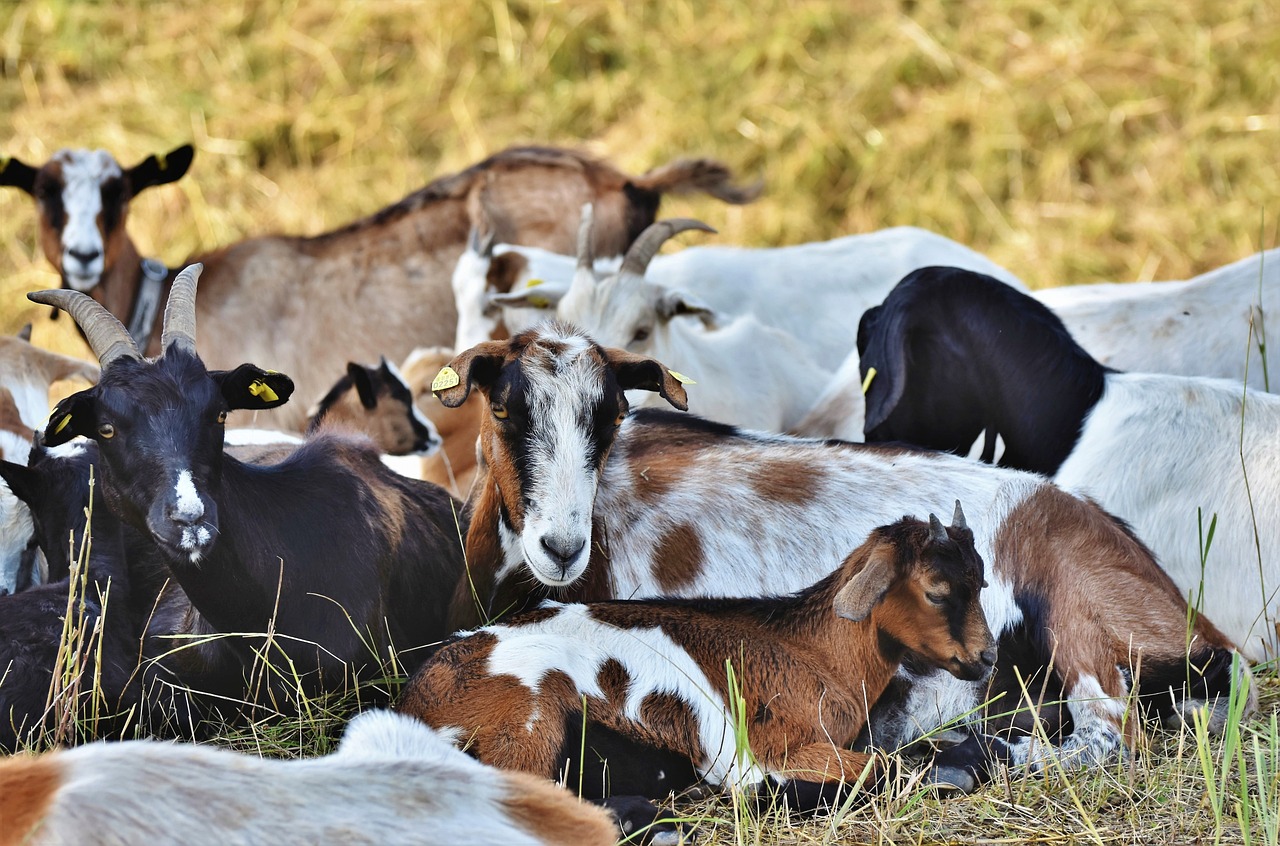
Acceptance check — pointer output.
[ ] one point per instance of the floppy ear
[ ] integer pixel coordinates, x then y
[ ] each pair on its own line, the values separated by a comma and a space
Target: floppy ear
882, 343
18, 174
638, 372
20, 478
162, 169
547, 295
856, 599
476, 367
252, 387
675, 303
73, 416
362, 378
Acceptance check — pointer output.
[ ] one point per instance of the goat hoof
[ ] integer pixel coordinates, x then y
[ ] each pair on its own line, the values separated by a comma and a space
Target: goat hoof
641, 822
951, 780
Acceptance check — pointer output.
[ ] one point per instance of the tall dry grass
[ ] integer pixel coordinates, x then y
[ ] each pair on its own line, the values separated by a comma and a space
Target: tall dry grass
1071, 141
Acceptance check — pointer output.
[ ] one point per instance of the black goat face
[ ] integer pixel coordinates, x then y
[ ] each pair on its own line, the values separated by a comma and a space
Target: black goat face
159, 427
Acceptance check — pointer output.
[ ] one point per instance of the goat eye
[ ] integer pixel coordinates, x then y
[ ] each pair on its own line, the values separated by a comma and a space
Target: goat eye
936, 598
622, 415
642, 334
499, 410
222, 417
106, 430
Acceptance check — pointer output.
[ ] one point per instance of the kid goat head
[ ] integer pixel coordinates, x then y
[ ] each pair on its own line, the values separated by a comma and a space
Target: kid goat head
556, 402
159, 424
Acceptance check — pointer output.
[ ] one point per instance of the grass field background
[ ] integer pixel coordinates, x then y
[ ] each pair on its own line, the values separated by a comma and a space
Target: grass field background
1071, 141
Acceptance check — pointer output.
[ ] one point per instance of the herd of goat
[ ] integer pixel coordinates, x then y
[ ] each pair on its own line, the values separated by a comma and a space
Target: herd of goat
591, 567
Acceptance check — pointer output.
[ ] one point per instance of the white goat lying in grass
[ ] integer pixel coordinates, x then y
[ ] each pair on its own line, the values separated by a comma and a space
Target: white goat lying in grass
393, 780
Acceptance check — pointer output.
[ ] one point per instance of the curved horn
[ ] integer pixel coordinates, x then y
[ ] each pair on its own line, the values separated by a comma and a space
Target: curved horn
180, 312
957, 520
937, 532
652, 239
586, 245
107, 337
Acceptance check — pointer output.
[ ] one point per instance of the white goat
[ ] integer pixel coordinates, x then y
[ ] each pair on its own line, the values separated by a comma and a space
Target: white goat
1199, 327
958, 353
393, 780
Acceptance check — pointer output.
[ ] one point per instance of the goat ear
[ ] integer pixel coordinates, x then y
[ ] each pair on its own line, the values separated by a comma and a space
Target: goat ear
162, 169
20, 478
638, 372
478, 366
18, 174
856, 599
675, 303
71, 417
252, 387
362, 378
546, 295
24, 334
882, 344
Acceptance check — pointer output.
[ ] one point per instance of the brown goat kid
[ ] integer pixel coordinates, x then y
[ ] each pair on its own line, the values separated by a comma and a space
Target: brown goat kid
380, 285
807, 666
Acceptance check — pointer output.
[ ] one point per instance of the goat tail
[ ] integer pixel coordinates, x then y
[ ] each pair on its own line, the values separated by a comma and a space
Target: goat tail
553, 815
27, 787
689, 176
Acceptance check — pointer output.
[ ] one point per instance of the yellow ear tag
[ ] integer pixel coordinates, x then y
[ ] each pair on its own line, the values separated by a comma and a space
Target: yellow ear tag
445, 379
539, 302
866, 383
63, 424
681, 378
162, 160
4, 163
263, 391
533, 283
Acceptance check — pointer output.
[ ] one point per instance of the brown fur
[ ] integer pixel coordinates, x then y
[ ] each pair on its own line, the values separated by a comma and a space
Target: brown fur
11, 421
452, 467
785, 481
679, 557
27, 788
554, 815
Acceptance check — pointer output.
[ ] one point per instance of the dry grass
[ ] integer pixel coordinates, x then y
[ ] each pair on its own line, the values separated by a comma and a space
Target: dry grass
1070, 141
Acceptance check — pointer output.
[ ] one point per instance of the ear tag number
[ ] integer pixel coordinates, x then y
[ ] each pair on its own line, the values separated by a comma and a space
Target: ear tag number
263, 391
866, 383
445, 379
681, 378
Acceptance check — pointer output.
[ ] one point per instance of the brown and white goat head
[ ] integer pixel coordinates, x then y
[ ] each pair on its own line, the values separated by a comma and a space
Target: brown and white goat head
83, 197
927, 587
556, 402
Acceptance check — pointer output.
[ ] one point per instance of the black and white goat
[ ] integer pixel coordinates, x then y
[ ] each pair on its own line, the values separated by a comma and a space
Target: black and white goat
327, 560
596, 502
807, 667
392, 781
958, 354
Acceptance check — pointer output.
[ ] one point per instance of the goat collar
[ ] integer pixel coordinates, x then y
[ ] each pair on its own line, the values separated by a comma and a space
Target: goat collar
146, 304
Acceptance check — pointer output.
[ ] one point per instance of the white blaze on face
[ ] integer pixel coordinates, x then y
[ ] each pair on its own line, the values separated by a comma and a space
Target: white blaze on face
83, 250
189, 508
562, 392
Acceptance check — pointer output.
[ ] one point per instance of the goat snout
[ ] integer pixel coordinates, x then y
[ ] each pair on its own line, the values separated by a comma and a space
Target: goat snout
562, 551
85, 257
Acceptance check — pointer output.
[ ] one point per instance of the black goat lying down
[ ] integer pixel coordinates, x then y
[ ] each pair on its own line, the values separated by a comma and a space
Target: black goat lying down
325, 564
93, 623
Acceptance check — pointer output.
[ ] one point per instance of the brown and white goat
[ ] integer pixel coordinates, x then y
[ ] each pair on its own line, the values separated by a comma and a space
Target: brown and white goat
669, 673
392, 781
595, 502
380, 285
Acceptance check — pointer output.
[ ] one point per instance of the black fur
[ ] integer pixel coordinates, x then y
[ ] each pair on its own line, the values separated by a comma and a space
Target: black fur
957, 352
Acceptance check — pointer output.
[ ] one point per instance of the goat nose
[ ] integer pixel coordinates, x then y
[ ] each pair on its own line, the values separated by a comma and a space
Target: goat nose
84, 257
988, 656
562, 550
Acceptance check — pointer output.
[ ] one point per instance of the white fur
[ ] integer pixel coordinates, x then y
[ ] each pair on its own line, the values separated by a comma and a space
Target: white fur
83, 172
1199, 327
189, 504
654, 663
393, 780
1154, 449
806, 301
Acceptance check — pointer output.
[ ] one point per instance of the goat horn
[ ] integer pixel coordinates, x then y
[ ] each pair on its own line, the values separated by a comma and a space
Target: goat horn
937, 532
107, 337
957, 520
180, 311
586, 245
652, 239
